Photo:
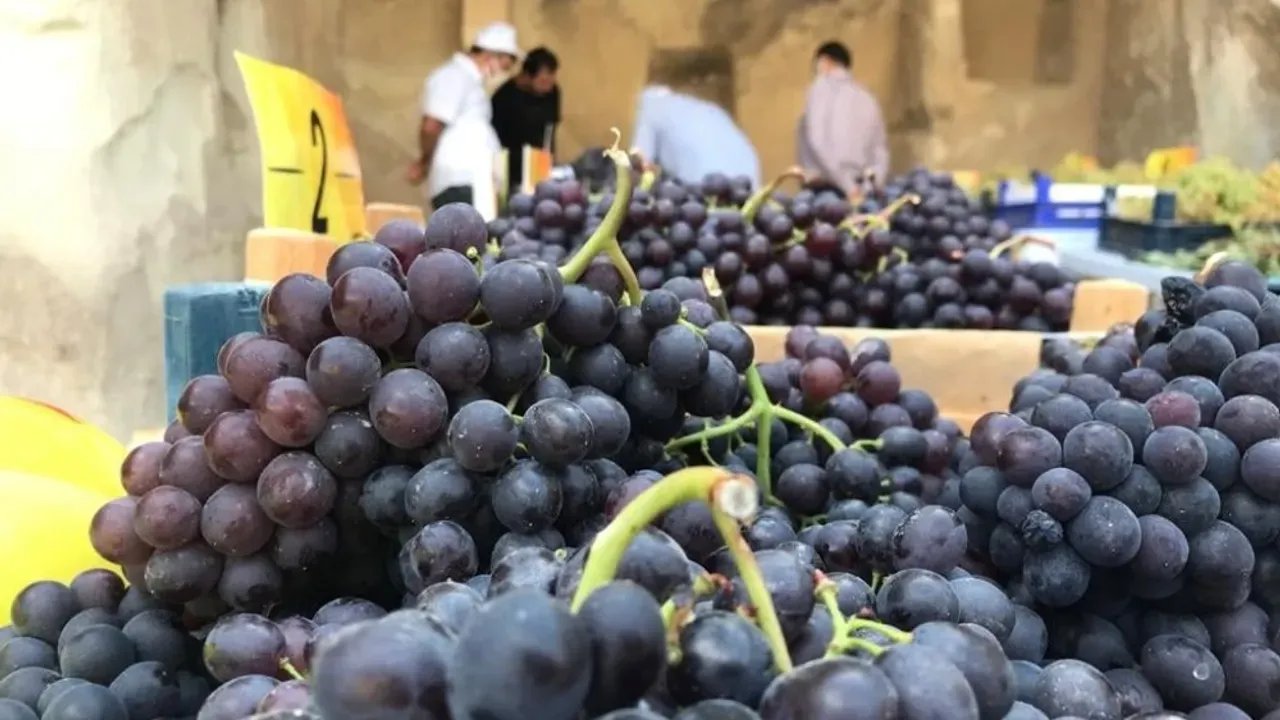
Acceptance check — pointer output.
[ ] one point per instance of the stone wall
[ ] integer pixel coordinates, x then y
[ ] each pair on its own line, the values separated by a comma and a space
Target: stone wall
128, 160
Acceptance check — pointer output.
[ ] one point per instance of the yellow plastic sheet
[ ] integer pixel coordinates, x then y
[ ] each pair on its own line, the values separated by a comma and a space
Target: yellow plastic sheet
44, 532
42, 440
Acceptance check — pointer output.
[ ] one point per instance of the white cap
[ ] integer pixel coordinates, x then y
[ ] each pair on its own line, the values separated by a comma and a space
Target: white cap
498, 37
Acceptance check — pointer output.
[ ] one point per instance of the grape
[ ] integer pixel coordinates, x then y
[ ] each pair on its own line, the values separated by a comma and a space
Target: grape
408, 408
405, 238
240, 697
820, 380
202, 400
1163, 551
253, 363
341, 371
140, 471
816, 689
303, 548
368, 305
931, 538
183, 574
363, 254
167, 517
251, 584
527, 497
518, 294
443, 286
556, 432
242, 645
441, 550
347, 611
1101, 453
296, 491
296, 310
86, 701
1070, 687
41, 610
584, 317
947, 692
1247, 419
112, 535
455, 354
1106, 533
98, 588
483, 436
442, 490
349, 446
234, 448
97, 653
457, 227
610, 423
384, 666
234, 523
187, 465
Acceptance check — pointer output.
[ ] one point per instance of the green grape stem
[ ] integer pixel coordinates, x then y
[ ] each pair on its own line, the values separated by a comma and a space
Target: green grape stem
762, 410
605, 238
290, 670
889, 632
796, 418
825, 591
752, 206
732, 498
757, 592
842, 628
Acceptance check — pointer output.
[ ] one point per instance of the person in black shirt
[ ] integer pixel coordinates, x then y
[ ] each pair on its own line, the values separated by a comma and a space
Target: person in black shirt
526, 110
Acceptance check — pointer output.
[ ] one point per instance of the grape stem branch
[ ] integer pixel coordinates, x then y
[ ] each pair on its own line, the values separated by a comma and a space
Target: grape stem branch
842, 629
762, 410
733, 499
605, 238
752, 206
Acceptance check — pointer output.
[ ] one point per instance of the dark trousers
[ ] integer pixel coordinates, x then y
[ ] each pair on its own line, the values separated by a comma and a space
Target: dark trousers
455, 194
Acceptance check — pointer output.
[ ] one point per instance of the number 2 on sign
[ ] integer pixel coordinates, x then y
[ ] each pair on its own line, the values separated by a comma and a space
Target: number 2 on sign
319, 223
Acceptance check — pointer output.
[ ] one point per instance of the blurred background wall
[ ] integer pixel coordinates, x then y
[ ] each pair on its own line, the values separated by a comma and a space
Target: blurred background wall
128, 160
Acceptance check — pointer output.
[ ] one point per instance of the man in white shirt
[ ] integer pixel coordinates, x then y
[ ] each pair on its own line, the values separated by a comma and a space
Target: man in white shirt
456, 139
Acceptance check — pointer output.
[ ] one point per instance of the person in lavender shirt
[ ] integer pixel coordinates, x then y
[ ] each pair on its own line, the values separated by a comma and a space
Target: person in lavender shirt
689, 137
841, 135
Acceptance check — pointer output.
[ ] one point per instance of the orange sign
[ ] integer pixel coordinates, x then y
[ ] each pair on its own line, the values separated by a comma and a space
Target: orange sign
310, 171
537, 167
1166, 161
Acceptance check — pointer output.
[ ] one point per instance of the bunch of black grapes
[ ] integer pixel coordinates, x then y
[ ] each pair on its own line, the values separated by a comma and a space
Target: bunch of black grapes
857, 395
383, 503
94, 649
813, 258
1132, 495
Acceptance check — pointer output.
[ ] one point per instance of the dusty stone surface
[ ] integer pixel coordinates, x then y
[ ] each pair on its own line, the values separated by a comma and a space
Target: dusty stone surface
132, 164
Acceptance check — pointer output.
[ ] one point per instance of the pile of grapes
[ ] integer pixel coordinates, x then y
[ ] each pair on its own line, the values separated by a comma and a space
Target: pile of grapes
916, 252
491, 489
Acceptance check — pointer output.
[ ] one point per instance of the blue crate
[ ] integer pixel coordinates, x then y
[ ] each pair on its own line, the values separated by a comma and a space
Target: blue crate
1043, 203
198, 319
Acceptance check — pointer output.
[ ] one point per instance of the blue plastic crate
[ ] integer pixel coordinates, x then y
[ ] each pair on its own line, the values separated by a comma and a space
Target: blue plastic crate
198, 319
1043, 203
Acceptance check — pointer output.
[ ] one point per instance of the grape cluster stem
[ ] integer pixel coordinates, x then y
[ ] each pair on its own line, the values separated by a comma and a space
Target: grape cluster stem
733, 499
843, 638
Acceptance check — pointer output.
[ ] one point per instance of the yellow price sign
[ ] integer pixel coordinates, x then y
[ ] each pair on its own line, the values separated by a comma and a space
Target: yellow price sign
1165, 161
311, 177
